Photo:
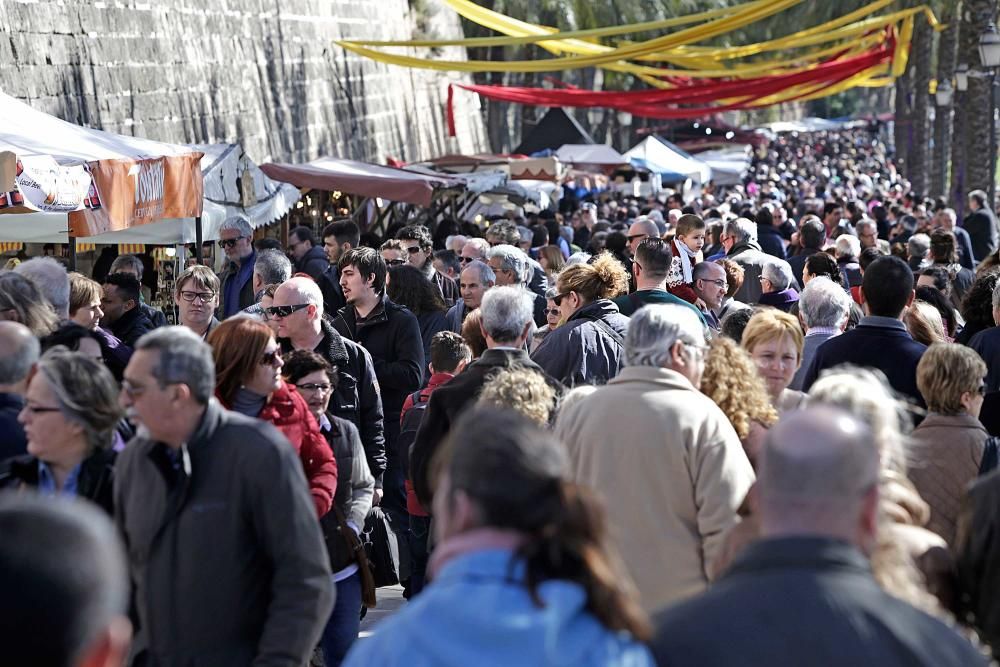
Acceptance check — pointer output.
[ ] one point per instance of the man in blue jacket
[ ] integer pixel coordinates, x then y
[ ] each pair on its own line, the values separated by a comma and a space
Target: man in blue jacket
881, 340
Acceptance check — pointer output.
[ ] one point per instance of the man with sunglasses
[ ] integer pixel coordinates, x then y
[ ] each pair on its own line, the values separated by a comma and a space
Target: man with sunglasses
297, 308
236, 240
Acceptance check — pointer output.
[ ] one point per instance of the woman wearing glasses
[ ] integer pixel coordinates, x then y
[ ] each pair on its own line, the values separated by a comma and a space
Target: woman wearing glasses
316, 380
588, 348
552, 317
948, 445
248, 380
69, 418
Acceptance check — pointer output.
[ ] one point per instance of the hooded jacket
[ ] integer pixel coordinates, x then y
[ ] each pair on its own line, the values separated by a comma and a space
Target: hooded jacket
582, 351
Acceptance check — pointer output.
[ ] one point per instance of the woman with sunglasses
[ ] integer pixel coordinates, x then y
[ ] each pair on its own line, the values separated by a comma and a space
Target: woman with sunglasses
552, 317
949, 442
588, 348
69, 418
248, 380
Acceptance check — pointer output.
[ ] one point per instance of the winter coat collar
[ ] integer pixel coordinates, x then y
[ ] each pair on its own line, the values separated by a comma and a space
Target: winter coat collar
596, 310
800, 553
742, 247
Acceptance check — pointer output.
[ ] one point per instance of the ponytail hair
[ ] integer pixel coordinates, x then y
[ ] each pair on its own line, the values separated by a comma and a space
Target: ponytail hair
517, 476
603, 278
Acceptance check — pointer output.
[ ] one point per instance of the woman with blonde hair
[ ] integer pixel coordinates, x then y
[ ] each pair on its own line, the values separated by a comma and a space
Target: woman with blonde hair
948, 444
730, 379
588, 348
521, 390
924, 323
774, 341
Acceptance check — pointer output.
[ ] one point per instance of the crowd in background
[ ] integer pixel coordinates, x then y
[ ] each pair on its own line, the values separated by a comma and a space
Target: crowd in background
598, 435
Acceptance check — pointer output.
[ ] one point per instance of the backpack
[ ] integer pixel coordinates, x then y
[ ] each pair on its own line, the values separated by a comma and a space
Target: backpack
990, 456
408, 427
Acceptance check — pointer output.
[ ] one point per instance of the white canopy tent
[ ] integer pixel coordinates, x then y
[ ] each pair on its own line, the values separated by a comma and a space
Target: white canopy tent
590, 155
729, 165
672, 164
47, 173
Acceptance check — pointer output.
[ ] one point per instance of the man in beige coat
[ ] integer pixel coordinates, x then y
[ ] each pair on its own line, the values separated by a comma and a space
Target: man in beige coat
663, 456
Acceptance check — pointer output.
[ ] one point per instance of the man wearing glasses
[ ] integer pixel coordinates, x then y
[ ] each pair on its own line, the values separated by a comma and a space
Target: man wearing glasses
236, 240
710, 285
197, 296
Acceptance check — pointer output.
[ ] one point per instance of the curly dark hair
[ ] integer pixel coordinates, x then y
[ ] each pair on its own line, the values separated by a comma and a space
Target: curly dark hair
822, 264
407, 286
977, 306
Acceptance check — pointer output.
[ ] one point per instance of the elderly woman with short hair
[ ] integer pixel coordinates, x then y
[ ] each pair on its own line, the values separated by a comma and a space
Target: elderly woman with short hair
948, 445
777, 284
69, 418
824, 307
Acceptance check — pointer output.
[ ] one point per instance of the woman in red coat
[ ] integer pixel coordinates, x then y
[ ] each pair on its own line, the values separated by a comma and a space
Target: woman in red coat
248, 380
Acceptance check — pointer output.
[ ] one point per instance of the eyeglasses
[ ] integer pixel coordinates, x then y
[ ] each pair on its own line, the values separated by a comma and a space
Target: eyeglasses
38, 409
205, 297
324, 387
272, 358
633, 237
413, 249
133, 391
553, 311
395, 262
718, 282
229, 243
284, 311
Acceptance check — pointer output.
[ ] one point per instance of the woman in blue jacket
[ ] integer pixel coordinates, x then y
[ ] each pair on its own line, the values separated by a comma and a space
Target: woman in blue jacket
522, 574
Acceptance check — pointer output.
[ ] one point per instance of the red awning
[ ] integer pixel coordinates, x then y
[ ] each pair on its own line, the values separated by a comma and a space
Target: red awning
361, 178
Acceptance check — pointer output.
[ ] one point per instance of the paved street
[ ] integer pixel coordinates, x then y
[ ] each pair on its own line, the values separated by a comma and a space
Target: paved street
390, 599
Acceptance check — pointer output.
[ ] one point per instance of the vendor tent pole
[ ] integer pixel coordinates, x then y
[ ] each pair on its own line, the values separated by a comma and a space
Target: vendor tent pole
197, 239
72, 254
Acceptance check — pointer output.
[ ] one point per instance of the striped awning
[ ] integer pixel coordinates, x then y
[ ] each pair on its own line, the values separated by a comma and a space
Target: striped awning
11, 246
123, 248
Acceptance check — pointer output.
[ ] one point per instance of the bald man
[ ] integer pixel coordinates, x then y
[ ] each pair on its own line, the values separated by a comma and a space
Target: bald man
297, 307
804, 593
19, 351
641, 229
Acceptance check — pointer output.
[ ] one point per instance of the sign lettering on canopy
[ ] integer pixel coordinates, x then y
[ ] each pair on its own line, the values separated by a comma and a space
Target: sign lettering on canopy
134, 192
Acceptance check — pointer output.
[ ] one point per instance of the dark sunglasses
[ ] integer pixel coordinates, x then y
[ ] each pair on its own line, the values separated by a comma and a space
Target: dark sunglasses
413, 249
633, 237
557, 299
466, 260
270, 358
982, 389
284, 311
395, 262
229, 243
553, 311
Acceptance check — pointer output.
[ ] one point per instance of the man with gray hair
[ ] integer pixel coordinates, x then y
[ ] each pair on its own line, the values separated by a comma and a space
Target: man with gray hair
476, 278
777, 285
739, 239
918, 248
272, 267
507, 322
511, 267
191, 469
663, 456
52, 280
809, 573
19, 351
824, 307
505, 232
947, 219
236, 240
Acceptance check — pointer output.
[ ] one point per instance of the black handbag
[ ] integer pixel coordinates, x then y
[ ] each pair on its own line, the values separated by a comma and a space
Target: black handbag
990, 456
382, 548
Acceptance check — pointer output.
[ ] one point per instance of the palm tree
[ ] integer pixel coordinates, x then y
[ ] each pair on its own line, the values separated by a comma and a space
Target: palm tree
946, 60
976, 124
920, 64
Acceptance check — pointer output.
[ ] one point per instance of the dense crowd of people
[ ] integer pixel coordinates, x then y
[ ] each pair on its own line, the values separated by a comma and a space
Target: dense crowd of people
597, 436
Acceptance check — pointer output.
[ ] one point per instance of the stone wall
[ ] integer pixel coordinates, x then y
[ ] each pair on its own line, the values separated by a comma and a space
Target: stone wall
262, 72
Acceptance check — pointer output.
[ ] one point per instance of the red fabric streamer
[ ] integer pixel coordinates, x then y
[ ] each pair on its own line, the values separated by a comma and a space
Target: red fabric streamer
695, 95
450, 110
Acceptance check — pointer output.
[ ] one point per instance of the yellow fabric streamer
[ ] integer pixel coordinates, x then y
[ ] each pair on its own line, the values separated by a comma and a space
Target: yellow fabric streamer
690, 35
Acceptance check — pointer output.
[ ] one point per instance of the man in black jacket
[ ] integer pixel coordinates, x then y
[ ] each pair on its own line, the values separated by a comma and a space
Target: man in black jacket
123, 315
805, 590
391, 334
236, 279
507, 314
338, 237
812, 236
310, 258
298, 310
981, 224
225, 551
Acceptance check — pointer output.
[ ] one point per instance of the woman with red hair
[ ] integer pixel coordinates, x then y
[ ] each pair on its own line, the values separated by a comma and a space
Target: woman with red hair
248, 380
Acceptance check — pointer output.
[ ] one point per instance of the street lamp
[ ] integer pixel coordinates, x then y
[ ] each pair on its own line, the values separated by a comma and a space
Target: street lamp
962, 77
989, 55
625, 122
943, 94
